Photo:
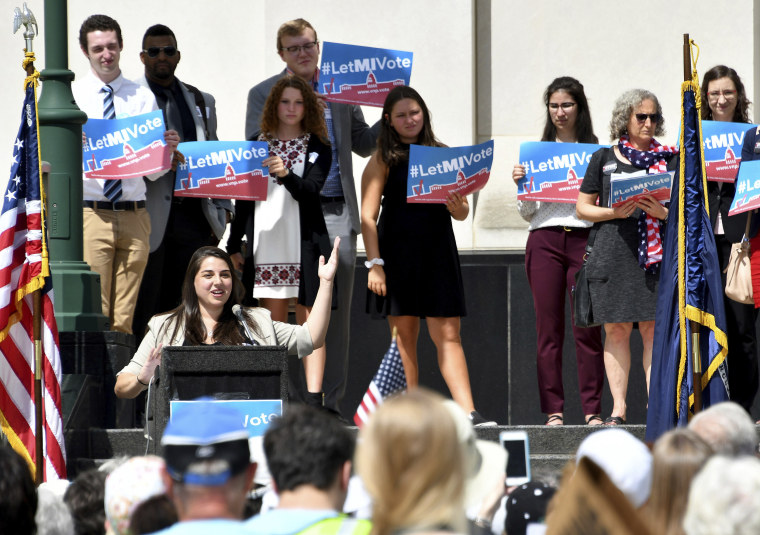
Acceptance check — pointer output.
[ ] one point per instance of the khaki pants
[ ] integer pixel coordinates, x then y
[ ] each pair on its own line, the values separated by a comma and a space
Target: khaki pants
116, 246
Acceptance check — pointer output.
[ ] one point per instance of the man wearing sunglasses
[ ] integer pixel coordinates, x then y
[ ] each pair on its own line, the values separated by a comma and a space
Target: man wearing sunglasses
179, 225
116, 224
298, 47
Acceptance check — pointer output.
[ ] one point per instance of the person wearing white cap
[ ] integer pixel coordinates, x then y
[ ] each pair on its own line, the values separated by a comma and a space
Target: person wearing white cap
133, 482
208, 469
624, 458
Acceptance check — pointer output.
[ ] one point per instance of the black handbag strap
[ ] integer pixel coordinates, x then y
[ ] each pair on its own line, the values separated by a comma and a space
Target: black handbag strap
591, 238
747, 226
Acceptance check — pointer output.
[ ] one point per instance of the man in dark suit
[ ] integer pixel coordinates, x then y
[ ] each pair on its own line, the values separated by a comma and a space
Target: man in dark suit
179, 225
298, 46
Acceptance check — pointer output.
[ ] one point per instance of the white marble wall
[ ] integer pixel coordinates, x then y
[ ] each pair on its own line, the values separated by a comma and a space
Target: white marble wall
229, 45
610, 47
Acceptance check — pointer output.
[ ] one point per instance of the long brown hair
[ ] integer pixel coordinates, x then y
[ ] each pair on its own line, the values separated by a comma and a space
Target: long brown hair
313, 119
187, 316
584, 129
389, 145
741, 112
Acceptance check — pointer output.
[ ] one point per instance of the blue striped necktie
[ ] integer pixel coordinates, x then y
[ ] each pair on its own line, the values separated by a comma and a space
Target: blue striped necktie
111, 188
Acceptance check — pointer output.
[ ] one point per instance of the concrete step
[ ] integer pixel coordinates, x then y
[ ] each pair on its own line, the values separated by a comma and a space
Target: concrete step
556, 440
550, 447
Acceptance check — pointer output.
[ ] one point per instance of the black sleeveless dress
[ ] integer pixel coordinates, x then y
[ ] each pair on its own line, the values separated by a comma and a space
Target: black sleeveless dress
422, 271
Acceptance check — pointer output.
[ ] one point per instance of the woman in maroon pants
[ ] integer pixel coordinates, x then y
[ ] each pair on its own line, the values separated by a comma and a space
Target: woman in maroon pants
553, 255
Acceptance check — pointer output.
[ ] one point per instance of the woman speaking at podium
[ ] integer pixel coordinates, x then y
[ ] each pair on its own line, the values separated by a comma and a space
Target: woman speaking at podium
210, 314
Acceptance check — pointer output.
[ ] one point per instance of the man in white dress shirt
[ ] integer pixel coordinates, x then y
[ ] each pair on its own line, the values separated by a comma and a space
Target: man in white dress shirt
115, 220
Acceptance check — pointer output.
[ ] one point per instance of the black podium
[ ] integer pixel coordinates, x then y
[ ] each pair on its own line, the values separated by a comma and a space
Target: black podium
221, 372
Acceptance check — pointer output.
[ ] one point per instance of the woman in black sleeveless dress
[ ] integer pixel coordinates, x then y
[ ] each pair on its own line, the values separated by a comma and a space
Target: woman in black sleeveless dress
413, 259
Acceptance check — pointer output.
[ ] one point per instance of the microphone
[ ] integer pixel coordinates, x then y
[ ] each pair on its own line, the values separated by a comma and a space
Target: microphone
238, 311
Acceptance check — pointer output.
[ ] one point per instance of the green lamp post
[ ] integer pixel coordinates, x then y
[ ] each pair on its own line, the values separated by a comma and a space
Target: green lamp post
77, 289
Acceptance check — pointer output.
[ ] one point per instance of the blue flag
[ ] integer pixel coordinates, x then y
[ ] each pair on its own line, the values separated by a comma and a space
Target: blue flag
690, 291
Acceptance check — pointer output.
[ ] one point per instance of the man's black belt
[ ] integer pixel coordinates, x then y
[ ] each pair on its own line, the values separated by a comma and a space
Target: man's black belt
327, 200
119, 206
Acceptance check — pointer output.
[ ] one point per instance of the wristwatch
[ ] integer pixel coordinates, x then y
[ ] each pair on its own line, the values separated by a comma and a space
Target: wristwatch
374, 262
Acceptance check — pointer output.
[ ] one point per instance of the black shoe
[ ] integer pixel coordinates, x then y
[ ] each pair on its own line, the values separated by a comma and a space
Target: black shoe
478, 421
337, 415
315, 399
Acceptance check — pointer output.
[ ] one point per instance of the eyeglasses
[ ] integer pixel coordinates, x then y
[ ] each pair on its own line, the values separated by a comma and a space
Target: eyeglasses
154, 51
654, 117
297, 49
728, 94
565, 106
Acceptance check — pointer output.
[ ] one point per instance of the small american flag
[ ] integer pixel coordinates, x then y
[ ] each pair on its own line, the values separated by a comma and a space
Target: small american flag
389, 378
24, 269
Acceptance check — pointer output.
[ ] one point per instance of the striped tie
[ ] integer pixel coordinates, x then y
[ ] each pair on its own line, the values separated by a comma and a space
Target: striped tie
111, 188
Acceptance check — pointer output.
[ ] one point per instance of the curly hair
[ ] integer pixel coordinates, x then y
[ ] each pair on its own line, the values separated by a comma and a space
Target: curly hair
624, 107
741, 112
313, 119
389, 145
584, 130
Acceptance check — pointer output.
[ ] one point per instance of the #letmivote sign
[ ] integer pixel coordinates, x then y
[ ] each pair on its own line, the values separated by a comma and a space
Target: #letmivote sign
129, 147
362, 75
223, 170
553, 171
435, 172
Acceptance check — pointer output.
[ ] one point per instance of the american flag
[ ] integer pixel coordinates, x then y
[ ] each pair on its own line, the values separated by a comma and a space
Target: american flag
24, 269
389, 378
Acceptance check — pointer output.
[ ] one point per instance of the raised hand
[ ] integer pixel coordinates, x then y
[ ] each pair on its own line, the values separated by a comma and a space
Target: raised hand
327, 269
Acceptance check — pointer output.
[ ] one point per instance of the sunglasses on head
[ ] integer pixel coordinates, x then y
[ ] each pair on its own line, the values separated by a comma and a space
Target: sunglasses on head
154, 51
654, 117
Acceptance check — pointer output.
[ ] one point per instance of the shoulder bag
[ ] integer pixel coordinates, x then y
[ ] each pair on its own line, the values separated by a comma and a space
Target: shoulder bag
582, 313
739, 272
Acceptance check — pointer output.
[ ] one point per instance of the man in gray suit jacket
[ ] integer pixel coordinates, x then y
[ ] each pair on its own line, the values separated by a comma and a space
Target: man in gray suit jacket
298, 47
177, 229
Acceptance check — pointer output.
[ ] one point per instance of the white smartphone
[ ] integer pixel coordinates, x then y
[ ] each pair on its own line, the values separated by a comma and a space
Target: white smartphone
518, 462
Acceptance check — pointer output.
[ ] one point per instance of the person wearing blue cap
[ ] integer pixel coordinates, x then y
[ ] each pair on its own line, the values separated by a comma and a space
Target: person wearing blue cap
208, 469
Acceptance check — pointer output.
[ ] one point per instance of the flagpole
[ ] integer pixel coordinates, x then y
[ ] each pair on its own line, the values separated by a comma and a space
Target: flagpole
39, 453
696, 354
26, 18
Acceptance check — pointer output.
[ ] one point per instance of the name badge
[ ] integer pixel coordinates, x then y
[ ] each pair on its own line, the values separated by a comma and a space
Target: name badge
757, 147
609, 167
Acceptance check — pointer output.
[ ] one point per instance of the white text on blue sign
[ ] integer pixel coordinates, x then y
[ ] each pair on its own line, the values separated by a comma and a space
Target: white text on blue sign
454, 164
226, 156
565, 161
122, 136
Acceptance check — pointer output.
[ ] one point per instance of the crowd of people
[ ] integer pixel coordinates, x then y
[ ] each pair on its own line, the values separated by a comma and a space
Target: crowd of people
274, 245
622, 246
416, 466
138, 226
